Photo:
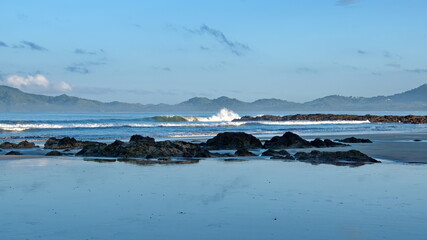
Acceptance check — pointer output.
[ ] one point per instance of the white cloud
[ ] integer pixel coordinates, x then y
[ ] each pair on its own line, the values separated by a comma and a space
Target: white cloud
35, 83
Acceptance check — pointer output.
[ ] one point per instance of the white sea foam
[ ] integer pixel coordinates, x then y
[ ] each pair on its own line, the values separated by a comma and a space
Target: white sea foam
23, 127
224, 115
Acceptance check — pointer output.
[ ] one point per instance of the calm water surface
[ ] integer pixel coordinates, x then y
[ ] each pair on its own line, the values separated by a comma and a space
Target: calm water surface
67, 198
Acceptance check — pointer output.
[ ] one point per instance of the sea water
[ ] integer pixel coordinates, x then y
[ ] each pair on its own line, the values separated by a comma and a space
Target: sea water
195, 126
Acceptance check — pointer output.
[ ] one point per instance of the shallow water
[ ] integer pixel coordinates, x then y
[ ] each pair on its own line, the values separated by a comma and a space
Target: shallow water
67, 198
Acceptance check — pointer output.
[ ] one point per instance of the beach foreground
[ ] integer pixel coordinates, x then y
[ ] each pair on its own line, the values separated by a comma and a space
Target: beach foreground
67, 198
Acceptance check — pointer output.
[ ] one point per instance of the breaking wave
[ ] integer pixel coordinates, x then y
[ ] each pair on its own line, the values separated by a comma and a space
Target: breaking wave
224, 115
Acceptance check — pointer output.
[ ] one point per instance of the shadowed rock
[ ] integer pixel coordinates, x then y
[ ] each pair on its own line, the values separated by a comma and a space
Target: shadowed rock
233, 140
282, 154
21, 145
243, 152
13, 153
144, 147
352, 156
65, 143
354, 140
288, 140
54, 153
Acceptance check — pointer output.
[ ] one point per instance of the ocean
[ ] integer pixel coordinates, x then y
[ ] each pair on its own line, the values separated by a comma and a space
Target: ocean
107, 127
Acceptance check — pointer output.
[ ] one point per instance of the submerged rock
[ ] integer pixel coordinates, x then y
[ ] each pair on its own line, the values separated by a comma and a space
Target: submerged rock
21, 145
288, 140
13, 153
243, 152
352, 156
354, 140
282, 154
233, 140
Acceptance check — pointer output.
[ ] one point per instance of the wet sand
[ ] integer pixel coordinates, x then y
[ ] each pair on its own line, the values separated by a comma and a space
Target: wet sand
399, 147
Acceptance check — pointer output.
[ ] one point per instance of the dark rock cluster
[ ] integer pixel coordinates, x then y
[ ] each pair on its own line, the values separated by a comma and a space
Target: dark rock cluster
21, 145
339, 117
348, 157
354, 140
233, 140
65, 143
143, 147
145, 150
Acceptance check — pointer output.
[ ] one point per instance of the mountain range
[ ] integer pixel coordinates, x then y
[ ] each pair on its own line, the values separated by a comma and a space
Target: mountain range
14, 100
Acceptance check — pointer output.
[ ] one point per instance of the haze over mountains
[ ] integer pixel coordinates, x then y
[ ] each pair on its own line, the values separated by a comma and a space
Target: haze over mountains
14, 100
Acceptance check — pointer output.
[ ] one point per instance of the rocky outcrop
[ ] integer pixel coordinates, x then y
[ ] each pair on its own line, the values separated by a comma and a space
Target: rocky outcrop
65, 143
21, 145
144, 147
288, 140
243, 152
233, 140
339, 117
13, 153
354, 140
319, 143
282, 154
348, 157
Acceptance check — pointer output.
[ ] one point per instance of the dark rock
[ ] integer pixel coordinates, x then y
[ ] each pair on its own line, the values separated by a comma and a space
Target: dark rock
21, 145
65, 143
100, 160
318, 143
283, 157
235, 160
243, 152
352, 156
354, 140
13, 153
25, 144
233, 140
339, 117
141, 139
54, 153
288, 140
7, 145
144, 147
94, 150
330, 143
271, 152
222, 155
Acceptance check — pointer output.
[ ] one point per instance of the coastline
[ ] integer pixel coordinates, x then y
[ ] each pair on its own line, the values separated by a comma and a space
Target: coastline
396, 147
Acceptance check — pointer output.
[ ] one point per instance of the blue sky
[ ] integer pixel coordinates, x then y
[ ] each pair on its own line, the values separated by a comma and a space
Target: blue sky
169, 51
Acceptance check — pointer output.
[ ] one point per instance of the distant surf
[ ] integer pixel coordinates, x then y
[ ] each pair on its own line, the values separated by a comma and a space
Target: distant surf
224, 115
224, 118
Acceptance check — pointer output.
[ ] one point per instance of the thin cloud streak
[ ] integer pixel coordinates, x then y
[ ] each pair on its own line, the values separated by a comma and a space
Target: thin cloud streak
346, 2
237, 48
420, 71
33, 46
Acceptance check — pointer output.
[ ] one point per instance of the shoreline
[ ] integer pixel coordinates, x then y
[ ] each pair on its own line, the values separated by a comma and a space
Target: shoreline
397, 147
